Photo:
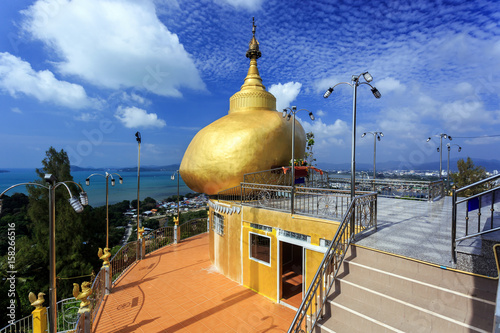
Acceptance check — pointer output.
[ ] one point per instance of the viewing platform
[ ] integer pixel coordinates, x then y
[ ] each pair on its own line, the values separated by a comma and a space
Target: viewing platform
176, 289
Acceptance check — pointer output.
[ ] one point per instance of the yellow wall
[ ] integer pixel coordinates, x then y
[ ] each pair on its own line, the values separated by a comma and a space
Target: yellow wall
256, 275
230, 253
225, 251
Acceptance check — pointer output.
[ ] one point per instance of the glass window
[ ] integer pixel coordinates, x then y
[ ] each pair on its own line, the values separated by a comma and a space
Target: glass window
260, 248
218, 223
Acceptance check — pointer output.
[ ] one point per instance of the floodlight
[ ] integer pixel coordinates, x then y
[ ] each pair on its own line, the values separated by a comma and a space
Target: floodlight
50, 178
284, 113
367, 77
76, 204
112, 182
429, 139
376, 93
378, 137
381, 134
459, 149
449, 137
328, 92
438, 149
87, 181
445, 136
121, 180
84, 199
364, 134
138, 137
311, 115
1, 200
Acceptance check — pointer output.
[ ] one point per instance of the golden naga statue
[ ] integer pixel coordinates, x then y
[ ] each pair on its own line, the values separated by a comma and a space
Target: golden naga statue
36, 302
252, 137
84, 294
104, 256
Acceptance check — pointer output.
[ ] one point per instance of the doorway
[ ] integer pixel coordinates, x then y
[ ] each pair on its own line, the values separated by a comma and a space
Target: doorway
291, 273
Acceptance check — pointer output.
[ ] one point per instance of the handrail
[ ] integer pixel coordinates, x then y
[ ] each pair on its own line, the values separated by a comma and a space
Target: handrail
489, 179
311, 308
477, 198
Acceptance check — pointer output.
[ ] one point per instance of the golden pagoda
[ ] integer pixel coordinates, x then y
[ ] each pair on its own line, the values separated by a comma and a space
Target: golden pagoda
252, 137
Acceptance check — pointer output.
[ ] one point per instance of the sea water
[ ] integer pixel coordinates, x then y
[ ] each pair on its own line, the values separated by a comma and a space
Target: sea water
155, 184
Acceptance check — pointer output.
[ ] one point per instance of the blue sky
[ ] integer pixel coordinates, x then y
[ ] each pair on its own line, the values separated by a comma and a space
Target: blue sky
85, 75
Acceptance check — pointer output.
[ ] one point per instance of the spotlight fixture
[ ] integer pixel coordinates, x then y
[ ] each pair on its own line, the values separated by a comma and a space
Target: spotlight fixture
376, 93
84, 199
367, 77
76, 204
328, 92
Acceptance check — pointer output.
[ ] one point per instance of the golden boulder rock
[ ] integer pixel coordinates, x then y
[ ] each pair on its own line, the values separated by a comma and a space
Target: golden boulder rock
252, 137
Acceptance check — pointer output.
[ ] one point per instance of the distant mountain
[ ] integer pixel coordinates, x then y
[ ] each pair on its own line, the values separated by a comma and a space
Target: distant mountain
77, 168
489, 165
171, 167
1, 171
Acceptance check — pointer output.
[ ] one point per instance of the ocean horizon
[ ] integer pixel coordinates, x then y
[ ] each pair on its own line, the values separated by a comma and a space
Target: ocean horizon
154, 184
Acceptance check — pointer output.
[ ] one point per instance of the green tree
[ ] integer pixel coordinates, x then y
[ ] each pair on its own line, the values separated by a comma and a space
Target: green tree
468, 174
309, 155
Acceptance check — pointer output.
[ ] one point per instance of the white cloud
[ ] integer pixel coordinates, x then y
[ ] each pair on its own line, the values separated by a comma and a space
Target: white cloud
17, 77
251, 5
390, 84
86, 117
16, 110
285, 93
113, 44
132, 117
133, 97
320, 113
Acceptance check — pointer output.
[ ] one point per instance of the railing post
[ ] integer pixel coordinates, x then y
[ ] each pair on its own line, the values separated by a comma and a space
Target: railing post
106, 270
176, 231
453, 226
429, 192
39, 317
87, 326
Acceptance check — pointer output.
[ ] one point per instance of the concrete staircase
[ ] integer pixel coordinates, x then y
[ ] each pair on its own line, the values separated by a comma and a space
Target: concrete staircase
377, 292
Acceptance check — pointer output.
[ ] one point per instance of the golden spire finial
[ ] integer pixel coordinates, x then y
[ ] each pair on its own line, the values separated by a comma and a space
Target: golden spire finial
253, 47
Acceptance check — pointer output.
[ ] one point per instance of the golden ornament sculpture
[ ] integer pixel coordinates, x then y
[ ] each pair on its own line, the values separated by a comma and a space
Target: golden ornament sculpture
252, 137
141, 231
104, 256
36, 302
83, 295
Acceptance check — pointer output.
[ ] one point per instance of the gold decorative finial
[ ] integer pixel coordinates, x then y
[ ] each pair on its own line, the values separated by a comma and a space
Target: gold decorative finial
141, 231
83, 295
104, 255
36, 302
253, 47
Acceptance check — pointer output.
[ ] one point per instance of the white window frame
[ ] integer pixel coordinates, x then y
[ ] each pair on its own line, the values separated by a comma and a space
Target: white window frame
250, 248
218, 223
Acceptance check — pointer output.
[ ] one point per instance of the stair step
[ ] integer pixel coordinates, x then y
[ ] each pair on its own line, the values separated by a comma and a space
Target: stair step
467, 284
382, 313
457, 306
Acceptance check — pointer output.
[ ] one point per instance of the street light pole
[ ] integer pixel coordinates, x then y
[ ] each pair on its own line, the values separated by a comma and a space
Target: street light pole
106, 176
293, 110
441, 136
354, 84
77, 205
376, 135
139, 140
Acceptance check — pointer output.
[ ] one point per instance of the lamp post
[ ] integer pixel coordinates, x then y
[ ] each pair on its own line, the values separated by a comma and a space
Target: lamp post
139, 140
107, 175
440, 150
289, 112
354, 84
173, 178
77, 205
376, 135
448, 145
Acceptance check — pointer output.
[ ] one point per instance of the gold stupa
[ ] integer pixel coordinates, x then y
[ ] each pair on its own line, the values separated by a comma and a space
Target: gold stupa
252, 137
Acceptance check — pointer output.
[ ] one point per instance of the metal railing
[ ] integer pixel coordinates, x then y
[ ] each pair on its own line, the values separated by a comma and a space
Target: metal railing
230, 194
193, 227
322, 202
394, 188
159, 238
98, 292
473, 224
360, 215
123, 259
283, 176
23, 325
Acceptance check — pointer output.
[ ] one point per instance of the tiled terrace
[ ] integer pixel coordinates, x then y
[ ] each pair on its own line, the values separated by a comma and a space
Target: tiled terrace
175, 289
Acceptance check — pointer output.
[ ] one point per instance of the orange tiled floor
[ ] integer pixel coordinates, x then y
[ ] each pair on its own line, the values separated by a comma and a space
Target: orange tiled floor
175, 289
